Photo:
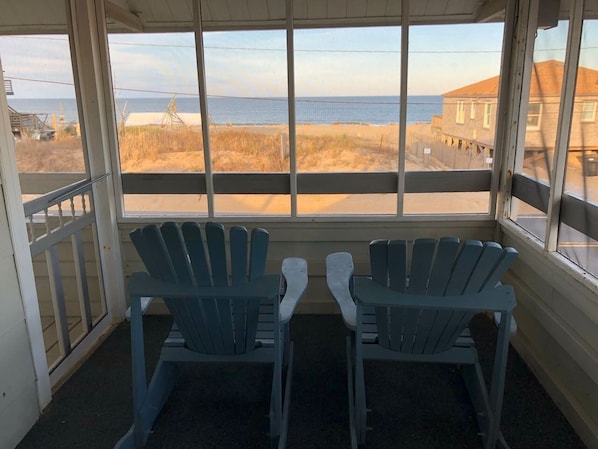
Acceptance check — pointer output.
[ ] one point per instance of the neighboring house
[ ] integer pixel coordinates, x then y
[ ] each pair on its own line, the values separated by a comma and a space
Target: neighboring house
469, 113
30, 125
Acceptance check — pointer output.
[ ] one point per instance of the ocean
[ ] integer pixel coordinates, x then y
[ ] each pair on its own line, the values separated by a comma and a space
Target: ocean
378, 110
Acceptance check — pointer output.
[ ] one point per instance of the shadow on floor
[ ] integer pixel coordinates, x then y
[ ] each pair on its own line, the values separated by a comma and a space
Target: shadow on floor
413, 406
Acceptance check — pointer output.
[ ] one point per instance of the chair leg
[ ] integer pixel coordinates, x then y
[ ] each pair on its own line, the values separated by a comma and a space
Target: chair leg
474, 381
160, 387
282, 441
147, 408
499, 373
360, 403
286, 333
350, 386
276, 401
489, 406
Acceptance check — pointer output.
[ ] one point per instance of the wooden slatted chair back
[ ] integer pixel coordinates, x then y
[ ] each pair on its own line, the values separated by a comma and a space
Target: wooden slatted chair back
180, 254
444, 267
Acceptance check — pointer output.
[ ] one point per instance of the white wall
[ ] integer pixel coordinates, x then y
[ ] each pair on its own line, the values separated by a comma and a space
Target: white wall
24, 379
18, 394
557, 315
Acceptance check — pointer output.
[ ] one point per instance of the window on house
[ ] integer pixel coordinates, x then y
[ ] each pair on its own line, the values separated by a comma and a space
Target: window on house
460, 112
487, 115
588, 111
472, 111
534, 112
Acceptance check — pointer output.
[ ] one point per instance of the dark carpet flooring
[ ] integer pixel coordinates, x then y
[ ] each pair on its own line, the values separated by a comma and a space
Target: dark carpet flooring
413, 406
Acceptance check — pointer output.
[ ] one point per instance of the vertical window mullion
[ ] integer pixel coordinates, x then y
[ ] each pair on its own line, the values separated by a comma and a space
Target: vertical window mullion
403, 106
522, 72
557, 181
508, 104
291, 106
203, 103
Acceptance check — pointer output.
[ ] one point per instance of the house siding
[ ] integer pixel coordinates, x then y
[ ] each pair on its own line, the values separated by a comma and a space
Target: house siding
557, 317
18, 394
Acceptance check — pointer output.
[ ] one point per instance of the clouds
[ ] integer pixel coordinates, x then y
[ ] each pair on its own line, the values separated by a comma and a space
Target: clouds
40, 66
328, 62
158, 64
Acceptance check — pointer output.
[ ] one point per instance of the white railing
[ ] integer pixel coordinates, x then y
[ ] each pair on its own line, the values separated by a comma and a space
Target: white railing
52, 220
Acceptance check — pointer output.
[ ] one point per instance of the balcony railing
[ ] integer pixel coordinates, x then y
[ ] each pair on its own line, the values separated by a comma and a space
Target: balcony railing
60, 226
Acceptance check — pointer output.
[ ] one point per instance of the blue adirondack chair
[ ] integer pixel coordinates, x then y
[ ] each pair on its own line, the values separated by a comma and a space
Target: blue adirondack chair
416, 307
219, 316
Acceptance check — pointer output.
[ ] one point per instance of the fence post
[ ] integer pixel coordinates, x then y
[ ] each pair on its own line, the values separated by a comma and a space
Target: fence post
284, 145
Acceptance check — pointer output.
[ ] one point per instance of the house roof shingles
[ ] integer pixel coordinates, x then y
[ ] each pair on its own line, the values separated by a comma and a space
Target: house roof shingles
547, 78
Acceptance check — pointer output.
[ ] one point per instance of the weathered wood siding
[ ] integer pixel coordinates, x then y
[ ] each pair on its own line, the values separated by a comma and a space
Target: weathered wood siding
471, 129
583, 134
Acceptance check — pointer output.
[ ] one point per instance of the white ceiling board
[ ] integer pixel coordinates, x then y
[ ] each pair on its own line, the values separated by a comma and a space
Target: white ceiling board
39, 16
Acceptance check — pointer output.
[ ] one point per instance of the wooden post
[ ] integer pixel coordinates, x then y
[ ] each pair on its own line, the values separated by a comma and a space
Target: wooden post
284, 145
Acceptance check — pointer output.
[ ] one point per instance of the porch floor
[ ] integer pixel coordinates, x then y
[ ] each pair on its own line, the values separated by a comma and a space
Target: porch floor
225, 407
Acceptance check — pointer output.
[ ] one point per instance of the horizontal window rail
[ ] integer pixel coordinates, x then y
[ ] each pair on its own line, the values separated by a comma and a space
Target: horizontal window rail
308, 183
576, 212
533, 192
39, 183
276, 183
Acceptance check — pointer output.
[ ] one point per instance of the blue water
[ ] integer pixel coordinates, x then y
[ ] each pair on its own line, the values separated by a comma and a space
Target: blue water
260, 111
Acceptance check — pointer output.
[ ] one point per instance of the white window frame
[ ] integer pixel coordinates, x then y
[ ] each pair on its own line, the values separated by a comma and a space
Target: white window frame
472, 110
460, 118
588, 115
487, 114
537, 115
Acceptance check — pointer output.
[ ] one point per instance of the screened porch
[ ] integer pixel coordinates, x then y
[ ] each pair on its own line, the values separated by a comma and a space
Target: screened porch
330, 124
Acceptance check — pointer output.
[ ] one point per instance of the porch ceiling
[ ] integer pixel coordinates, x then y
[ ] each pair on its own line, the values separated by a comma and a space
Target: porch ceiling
48, 16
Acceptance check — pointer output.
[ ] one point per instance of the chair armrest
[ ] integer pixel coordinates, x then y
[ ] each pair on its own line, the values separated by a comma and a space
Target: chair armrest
497, 299
339, 275
294, 271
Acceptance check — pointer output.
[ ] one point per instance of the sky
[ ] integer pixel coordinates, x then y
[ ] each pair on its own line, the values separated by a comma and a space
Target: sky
328, 62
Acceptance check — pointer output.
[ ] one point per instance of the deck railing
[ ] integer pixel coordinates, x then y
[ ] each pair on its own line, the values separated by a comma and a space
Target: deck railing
55, 222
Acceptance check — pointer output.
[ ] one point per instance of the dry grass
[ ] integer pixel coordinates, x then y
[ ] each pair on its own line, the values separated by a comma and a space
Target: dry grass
61, 155
240, 149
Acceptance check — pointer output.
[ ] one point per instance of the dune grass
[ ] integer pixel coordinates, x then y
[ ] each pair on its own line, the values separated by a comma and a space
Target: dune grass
153, 149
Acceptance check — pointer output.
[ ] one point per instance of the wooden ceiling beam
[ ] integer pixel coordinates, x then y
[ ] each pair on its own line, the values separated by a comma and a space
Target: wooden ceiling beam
491, 10
123, 16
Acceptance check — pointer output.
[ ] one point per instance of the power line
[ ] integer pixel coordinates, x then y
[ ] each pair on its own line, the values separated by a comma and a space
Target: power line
62, 83
330, 100
317, 50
